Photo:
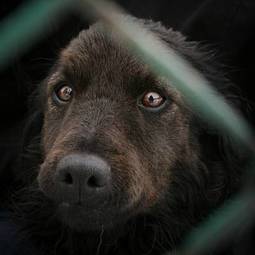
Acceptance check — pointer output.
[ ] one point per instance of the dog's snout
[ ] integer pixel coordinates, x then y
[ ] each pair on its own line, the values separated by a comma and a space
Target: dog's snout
82, 178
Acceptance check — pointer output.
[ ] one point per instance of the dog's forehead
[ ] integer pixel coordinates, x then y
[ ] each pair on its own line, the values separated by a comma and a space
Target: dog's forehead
94, 52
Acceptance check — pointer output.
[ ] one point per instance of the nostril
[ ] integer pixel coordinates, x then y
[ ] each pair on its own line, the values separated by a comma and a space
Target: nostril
95, 182
92, 182
67, 178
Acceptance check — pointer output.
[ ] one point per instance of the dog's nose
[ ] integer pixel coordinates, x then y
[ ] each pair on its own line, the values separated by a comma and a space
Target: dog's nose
82, 179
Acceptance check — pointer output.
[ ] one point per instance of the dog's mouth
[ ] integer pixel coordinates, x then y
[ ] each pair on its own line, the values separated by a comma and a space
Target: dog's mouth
109, 215
80, 218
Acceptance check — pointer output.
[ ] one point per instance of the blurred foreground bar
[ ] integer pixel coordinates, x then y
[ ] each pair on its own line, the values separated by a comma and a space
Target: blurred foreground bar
28, 24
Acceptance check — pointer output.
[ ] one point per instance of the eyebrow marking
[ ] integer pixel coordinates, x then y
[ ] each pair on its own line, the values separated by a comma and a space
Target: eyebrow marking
55, 78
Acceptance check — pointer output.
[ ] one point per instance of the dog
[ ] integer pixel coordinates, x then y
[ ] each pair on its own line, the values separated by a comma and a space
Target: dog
114, 161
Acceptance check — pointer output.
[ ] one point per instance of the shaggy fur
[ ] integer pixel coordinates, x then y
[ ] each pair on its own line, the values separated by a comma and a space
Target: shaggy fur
169, 169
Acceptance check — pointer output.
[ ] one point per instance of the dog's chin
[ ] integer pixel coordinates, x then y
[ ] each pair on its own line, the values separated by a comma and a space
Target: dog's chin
82, 219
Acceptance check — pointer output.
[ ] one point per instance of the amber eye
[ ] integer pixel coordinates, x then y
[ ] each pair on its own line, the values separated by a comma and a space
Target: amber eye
152, 100
64, 93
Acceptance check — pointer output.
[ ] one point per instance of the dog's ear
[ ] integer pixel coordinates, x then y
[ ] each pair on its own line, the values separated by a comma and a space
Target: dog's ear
26, 158
30, 154
32, 128
225, 158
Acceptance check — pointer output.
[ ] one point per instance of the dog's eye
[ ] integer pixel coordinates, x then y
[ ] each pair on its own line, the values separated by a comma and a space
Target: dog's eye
64, 93
152, 100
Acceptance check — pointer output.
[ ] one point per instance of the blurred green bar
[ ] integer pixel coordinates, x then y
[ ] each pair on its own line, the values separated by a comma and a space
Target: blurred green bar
27, 24
222, 227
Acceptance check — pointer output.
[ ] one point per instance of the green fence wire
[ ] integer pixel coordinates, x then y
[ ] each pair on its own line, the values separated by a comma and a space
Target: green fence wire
26, 26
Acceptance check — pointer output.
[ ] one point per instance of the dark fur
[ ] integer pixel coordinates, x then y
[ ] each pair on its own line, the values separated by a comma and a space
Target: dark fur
186, 169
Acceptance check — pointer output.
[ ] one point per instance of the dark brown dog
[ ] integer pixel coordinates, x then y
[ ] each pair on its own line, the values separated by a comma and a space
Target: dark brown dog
125, 166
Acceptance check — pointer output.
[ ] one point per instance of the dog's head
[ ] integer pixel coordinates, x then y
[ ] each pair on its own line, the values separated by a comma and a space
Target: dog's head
118, 141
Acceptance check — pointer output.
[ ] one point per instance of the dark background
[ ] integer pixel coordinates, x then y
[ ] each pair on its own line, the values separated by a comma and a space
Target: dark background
228, 26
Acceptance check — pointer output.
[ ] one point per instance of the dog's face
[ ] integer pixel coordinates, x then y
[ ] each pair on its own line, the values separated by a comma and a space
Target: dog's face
113, 135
